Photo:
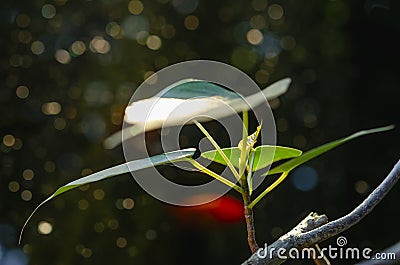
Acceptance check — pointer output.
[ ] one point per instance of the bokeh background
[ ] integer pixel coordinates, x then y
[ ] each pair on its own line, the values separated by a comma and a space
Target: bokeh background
68, 69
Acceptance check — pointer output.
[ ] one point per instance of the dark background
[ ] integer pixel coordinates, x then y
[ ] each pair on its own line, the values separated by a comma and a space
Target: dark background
343, 58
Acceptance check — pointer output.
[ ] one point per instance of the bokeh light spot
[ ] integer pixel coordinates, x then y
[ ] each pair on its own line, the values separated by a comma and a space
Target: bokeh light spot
191, 22
59, 124
22, 92
275, 103
114, 30
45, 228
86, 253
98, 194
135, 7
304, 178
185, 6
153, 42
361, 187
26, 195
271, 45
257, 22
113, 224
23, 20
83, 204
141, 37
28, 174
24, 36
118, 204
51, 108
151, 234
78, 48
99, 45
49, 166
18, 144
134, 24
121, 242
254, 36
128, 203
8, 140
16, 60
48, 11
275, 11
27, 249
62, 56
37, 47
13, 186
146, 76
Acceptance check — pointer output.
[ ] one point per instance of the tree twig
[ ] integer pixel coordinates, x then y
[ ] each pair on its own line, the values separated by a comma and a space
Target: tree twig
249, 216
314, 229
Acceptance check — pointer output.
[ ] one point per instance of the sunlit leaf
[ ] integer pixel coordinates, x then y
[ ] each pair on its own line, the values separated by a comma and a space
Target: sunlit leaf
187, 100
250, 140
246, 148
293, 163
263, 155
118, 170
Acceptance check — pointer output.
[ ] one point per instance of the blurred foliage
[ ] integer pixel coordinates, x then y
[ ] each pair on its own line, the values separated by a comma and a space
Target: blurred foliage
68, 69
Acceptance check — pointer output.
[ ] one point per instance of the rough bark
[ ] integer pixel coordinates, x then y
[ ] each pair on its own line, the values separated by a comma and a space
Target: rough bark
316, 228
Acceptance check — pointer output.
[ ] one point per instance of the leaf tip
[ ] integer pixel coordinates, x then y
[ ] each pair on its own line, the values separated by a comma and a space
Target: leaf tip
112, 141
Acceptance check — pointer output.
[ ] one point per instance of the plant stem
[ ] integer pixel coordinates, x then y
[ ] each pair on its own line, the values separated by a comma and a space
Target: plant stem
248, 216
243, 148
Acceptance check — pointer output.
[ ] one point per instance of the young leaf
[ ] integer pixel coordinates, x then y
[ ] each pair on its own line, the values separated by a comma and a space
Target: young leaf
264, 155
246, 146
194, 98
293, 163
117, 170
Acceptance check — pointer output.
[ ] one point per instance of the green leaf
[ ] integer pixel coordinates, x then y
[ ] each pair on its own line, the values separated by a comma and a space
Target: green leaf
186, 100
263, 155
293, 163
117, 170
246, 146
191, 88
